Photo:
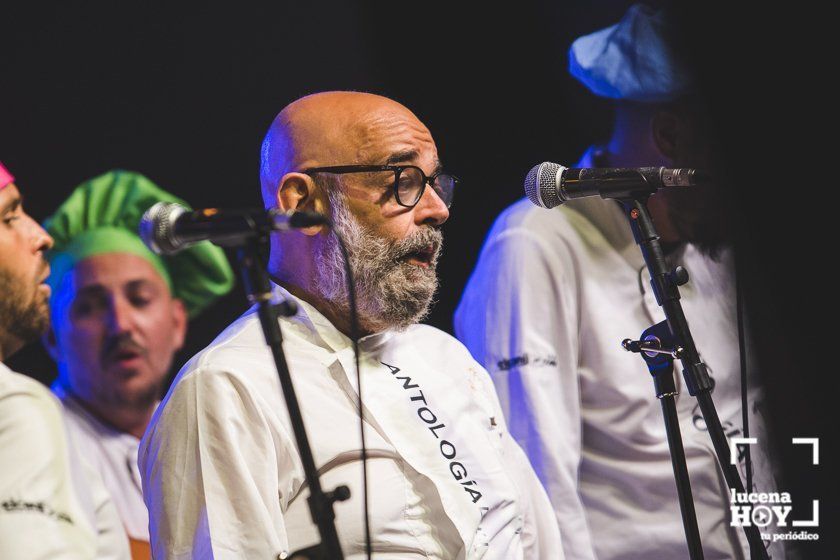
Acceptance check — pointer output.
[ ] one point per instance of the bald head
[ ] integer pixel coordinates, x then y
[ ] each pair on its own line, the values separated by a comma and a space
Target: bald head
333, 128
392, 248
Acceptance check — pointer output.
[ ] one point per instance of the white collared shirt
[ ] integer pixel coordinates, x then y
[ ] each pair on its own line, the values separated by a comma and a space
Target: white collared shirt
552, 296
114, 454
52, 503
221, 474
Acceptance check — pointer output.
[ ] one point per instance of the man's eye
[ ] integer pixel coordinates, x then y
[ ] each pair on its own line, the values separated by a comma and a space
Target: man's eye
140, 301
88, 306
83, 309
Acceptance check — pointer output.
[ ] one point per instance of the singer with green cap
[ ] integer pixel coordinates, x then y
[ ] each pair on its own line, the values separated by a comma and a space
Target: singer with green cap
119, 314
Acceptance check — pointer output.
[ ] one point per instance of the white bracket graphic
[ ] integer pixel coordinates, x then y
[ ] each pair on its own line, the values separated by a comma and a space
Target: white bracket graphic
814, 443
815, 517
733, 446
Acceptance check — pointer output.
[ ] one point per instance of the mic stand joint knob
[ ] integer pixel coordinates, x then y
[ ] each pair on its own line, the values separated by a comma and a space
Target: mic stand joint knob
679, 275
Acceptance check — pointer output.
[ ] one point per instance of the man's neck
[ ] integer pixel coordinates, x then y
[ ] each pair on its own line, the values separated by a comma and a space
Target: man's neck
125, 419
9, 344
339, 318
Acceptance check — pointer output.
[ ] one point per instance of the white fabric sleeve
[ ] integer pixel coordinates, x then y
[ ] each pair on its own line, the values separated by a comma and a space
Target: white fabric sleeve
519, 318
214, 466
40, 515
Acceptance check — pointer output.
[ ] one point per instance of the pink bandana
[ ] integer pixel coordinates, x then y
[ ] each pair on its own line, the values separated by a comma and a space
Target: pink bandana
5, 177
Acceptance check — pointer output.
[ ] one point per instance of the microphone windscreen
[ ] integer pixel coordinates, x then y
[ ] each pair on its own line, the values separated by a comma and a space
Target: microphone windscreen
541, 184
155, 227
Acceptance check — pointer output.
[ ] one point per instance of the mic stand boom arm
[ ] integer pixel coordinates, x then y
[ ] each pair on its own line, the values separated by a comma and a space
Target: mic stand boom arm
258, 288
665, 287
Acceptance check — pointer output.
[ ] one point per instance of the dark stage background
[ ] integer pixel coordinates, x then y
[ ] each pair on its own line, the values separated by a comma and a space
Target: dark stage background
185, 93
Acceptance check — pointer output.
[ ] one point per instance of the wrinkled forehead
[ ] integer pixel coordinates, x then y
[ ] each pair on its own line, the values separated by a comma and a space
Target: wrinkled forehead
347, 128
382, 135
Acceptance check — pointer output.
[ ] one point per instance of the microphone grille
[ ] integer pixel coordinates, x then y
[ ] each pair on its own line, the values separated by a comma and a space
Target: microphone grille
156, 227
541, 184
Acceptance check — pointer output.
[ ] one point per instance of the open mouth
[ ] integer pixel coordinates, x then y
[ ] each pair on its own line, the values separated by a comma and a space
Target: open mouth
42, 281
422, 257
126, 356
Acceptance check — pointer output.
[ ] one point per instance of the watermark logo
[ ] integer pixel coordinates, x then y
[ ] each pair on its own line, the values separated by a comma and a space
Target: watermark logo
772, 509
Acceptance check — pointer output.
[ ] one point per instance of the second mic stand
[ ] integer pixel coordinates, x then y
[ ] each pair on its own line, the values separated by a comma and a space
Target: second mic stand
660, 362
665, 284
258, 288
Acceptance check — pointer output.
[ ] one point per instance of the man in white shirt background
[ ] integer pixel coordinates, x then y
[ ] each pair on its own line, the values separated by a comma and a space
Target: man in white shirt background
51, 504
119, 313
556, 291
221, 474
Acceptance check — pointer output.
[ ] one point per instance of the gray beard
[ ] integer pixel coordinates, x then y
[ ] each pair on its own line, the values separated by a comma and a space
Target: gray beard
390, 292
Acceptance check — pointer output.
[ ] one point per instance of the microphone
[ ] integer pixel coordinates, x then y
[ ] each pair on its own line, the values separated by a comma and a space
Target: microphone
549, 184
167, 228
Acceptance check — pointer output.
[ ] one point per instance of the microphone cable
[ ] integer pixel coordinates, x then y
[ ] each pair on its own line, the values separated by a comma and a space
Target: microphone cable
742, 351
354, 337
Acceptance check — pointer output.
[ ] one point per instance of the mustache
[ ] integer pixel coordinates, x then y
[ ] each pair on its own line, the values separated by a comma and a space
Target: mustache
117, 345
422, 240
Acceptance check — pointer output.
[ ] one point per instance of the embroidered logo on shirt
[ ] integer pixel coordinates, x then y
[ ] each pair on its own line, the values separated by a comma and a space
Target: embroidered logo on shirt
12, 504
447, 449
524, 360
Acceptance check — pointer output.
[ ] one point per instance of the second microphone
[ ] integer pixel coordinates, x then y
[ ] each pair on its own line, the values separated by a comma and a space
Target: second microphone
549, 184
167, 228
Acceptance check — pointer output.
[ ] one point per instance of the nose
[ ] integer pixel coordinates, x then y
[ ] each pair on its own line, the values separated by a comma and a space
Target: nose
41, 240
430, 209
120, 319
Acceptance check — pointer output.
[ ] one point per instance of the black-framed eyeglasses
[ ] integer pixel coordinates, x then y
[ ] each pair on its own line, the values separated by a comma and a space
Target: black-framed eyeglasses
409, 181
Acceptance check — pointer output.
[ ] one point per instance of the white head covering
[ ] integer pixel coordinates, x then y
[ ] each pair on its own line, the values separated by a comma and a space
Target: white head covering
632, 60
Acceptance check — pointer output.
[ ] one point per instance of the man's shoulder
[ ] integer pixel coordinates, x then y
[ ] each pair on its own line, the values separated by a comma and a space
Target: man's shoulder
30, 415
241, 340
428, 332
524, 214
444, 351
525, 222
436, 344
13, 384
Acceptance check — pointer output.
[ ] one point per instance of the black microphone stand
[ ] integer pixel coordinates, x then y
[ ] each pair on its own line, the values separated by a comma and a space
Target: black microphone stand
665, 284
258, 288
653, 347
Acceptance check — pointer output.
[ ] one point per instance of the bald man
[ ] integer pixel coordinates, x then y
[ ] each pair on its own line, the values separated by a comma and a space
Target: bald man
221, 475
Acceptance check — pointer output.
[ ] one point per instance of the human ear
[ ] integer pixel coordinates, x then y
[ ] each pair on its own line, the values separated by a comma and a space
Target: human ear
179, 319
665, 128
298, 192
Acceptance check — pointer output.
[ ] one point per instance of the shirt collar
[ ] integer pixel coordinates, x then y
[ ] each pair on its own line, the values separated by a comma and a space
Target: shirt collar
71, 402
314, 326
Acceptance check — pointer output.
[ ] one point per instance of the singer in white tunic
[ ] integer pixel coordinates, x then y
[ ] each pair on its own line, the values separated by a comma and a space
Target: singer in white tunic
222, 475
556, 291
118, 317
114, 454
